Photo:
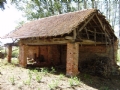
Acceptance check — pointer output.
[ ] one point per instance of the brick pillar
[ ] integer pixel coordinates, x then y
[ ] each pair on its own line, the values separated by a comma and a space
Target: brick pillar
9, 53
23, 56
72, 59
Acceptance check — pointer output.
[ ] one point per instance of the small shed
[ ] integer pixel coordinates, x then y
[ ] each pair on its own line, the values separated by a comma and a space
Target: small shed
67, 39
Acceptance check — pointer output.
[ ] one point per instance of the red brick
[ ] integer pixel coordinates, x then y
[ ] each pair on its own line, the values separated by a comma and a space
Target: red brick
72, 59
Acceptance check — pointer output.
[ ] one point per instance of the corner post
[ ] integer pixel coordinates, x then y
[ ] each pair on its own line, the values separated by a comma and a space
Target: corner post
9, 53
23, 56
72, 59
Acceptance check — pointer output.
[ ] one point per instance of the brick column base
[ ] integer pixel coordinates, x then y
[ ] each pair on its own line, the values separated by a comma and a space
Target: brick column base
72, 59
23, 56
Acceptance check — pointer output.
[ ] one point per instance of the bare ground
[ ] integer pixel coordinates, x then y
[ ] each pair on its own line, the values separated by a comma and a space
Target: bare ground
13, 77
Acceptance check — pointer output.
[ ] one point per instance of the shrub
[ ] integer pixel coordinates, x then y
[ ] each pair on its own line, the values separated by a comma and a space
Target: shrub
15, 54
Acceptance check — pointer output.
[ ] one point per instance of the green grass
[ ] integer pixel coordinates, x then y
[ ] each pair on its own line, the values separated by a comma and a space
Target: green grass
12, 80
27, 81
74, 81
118, 55
53, 85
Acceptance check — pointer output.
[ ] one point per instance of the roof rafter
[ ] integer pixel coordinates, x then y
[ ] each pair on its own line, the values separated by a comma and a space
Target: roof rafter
96, 24
86, 22
103, 28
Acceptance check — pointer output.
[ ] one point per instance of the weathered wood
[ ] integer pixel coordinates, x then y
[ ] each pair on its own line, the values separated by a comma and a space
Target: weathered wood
9, 53
90, 42
95, 36
102, 26
74, 34
94, 32
69, 37
51, 41
46, 42
11, 44
96, 24
86, 22
87, 33
106, 39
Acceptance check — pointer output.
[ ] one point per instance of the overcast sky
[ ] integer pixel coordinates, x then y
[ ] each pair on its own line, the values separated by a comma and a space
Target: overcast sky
8, 20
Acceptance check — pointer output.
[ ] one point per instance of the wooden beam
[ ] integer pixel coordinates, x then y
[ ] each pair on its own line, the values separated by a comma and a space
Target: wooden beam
48, 43
11, 44
74, 34
97, 24
95, 36
90, 42
87, 33
103, 26
9, 53
69, 38
56, 41
81, 28
106, 39
99, 21
83, 42
96, 32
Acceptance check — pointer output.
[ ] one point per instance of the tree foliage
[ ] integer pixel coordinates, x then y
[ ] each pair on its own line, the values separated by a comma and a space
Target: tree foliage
2, 4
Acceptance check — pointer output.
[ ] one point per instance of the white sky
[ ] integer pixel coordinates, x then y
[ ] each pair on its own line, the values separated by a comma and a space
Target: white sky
8, 20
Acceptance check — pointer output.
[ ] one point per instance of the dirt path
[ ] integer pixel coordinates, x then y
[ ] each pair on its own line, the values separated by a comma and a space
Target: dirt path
13, 77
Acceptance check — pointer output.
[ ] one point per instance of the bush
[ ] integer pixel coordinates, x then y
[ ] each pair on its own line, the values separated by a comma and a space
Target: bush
15, 52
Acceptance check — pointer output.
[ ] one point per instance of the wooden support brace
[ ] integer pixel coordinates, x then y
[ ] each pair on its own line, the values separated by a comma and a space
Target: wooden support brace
105, 39
95, 36
96, 32
103, 26
87, 33
97, 24
74, 34
86, 22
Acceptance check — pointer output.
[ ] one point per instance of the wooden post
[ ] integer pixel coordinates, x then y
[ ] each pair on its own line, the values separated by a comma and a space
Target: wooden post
9, 53
23, 56
72, 59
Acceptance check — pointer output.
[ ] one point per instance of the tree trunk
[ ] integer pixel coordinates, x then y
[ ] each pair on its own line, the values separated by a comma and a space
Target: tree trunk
78, 4
93, 2
119, 17
85, 4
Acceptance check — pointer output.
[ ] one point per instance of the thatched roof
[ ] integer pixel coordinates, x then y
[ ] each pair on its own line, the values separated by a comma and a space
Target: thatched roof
53, 25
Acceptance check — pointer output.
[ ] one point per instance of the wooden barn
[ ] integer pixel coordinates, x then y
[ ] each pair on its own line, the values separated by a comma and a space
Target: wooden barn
65, 39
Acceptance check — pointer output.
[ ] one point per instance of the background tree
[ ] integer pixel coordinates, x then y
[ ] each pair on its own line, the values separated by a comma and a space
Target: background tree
2, 4
119, 17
